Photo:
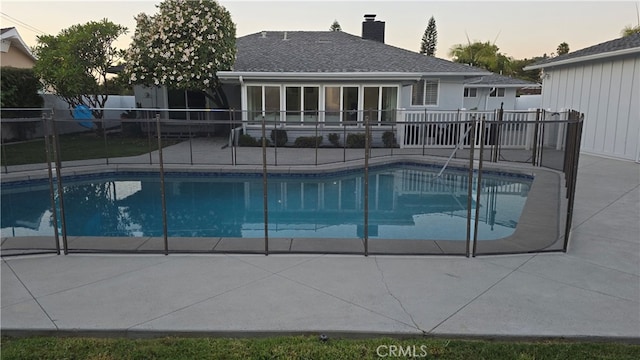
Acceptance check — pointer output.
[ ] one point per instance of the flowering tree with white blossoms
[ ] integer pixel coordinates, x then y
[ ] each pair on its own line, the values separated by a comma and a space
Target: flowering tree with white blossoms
182, 47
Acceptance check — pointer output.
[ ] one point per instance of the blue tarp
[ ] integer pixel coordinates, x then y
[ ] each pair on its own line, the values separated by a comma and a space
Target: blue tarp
82, 112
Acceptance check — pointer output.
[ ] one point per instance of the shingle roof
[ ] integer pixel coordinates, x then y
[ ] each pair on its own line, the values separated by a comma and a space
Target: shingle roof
4, 30
623, 43
333, 51
495, 79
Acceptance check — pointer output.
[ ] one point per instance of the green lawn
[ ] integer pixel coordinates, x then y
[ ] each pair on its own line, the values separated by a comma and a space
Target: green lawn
304, 347
79, 147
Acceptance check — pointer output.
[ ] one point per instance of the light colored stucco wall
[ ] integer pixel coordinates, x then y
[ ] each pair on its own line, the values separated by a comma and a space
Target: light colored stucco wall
608, 93
16, 58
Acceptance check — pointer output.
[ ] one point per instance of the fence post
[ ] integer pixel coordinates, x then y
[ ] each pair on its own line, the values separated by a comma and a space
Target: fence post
344, 139
104, 135
58, 161
316, 141
479, 187
400, 126
265, 188
47, 143
421, 135
367, 147
536, 130
162, 188
148, 120
571, 190
275, 139
470, 186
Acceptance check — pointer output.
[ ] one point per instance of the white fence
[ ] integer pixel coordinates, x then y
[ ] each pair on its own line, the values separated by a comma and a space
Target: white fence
448, 129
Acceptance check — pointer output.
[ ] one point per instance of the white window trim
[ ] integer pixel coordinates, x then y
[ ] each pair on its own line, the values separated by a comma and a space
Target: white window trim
468, 90
424, 93
322, 98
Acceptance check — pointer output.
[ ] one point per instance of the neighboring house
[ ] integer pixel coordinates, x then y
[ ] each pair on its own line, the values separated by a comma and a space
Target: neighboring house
490, 92
603, 82
14, 52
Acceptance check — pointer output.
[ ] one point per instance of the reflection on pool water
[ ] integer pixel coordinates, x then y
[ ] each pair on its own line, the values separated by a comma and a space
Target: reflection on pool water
405, 202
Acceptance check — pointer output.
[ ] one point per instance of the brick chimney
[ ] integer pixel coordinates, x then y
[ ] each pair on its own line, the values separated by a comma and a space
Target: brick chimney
372, 29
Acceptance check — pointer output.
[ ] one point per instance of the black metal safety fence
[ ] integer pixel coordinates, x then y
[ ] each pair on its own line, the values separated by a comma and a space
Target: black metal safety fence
140, 181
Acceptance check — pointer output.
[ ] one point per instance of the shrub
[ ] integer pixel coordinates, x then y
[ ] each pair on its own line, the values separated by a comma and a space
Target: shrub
357, 140
19, 89
247, 140
389, 139
308, 141
334, 139
279, 137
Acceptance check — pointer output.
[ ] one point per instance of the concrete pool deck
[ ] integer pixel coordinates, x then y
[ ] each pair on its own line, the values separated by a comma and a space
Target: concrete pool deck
592, 291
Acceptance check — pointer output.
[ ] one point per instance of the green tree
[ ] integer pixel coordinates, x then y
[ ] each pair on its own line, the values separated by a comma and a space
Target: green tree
563, 48
182, 47
74, 63
19, 89
529, 75
429, 39
335, 26
630, 30
484, 55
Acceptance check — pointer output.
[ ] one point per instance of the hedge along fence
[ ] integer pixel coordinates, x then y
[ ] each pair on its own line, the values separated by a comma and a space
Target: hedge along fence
331, 137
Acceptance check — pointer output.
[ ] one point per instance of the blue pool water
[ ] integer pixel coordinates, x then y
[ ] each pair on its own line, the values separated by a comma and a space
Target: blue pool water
405, 202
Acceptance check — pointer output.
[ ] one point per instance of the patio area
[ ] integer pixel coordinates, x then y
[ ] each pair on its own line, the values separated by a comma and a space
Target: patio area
592, 291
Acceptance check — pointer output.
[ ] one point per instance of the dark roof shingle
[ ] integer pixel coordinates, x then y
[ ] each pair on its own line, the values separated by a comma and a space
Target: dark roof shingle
627, 42
333, 51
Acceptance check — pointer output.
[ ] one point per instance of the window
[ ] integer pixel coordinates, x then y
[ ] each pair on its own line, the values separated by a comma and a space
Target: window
301, 104
389, 103
382, 100
497, 92
350, 104
263, 100
425, 92
332, 105
470, 92
371, 103
293, 97
311, 100
254, 102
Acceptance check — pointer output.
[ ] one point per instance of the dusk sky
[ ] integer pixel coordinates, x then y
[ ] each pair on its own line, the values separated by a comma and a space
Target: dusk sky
521, 29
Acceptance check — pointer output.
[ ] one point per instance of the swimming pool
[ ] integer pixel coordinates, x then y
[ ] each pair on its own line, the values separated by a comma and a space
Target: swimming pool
406, 201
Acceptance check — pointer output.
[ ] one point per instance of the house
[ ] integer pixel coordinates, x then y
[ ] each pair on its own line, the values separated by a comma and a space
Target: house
14, 52
493, 91
329, 79
603, 82
300, 78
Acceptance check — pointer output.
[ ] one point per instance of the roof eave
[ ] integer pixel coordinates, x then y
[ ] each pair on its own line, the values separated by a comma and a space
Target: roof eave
584, 58
14, 37
472, 85
251, 75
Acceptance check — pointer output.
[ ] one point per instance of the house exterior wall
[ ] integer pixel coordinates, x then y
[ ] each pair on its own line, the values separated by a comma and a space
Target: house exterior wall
483, 101
607, 92
16, 58
450, 91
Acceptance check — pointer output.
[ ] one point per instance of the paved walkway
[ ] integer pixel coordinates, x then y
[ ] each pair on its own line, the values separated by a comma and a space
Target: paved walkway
592, 291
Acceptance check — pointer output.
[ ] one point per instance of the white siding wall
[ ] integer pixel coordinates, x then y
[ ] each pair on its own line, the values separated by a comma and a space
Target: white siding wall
484, 102
608, 93
449, 95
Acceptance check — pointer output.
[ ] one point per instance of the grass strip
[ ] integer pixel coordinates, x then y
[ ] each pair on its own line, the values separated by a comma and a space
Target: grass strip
82, 146
306, 347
